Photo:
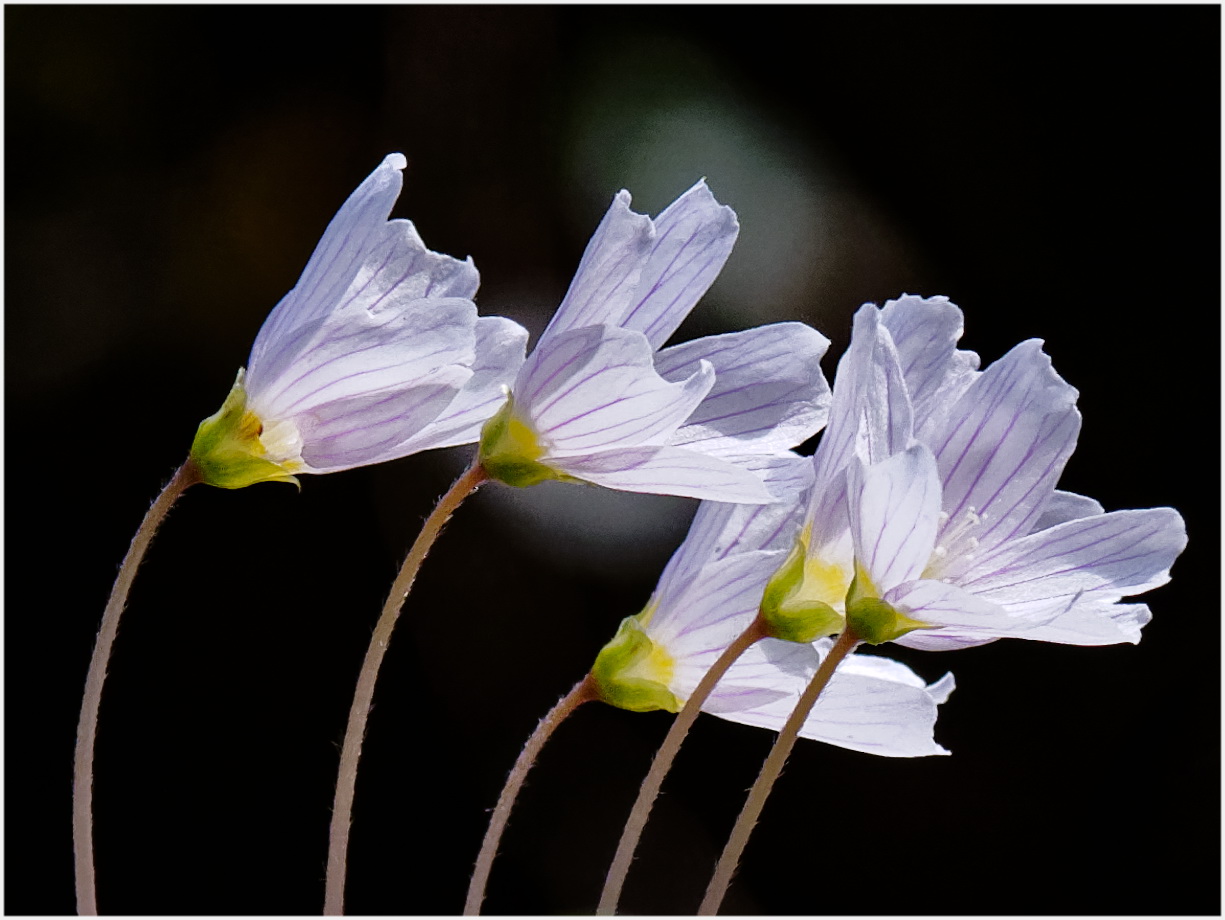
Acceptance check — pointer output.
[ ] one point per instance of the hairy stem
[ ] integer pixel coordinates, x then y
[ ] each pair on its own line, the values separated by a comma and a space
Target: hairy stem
351, 751
582, 692
662, 763
770, 771
87, 727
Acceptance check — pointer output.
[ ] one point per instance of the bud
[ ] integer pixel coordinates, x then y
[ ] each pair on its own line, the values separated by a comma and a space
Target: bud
632, 672
232, 449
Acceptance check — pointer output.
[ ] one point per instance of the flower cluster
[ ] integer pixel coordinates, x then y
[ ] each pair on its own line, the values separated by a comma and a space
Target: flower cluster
928, 515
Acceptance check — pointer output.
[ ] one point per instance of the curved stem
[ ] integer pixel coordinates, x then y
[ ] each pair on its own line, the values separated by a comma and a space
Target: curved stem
582, 692
351, 751
770, 771
667, 752
87, 726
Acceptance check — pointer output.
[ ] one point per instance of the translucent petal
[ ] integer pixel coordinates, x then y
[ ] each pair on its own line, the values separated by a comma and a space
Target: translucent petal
608, 273
876, 713
720, 529
358, 352
1066, 506
769, 392
596, 387
946, 605
363, 261
894, 509
1101, 557
711, 609
925, 332
666, 471
1007, 440
500, 346
869, 416
372, 427
693, 238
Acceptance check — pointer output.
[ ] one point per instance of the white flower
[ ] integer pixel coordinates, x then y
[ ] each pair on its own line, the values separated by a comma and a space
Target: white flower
951, 517
376, 353
596, 402
710, 593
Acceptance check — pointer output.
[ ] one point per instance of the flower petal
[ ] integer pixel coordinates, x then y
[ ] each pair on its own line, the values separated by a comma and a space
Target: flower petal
1007, 440
372, 427
864, 708
720, 529
769, 393
925, 332
500, 346
697, 620
666, 471
355, 353
869, 415
962, 613
894, 509
769, 672
1066, 506
1094, 624
608, 274
596, 387
363, 261
1098, 558
693, 238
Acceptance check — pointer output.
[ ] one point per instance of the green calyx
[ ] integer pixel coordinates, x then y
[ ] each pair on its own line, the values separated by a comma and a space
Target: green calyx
509, 450
788, 612
632, 672
227, 449
876, 621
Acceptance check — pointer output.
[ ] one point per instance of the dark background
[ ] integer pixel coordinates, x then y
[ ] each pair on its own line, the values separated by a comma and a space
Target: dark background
1055, 170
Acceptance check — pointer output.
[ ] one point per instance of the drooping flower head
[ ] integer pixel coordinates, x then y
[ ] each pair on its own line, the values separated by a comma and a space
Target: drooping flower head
376, 353
710, 593
598, 402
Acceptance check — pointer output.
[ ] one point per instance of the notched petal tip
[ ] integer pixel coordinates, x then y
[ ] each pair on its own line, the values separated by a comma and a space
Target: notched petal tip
396, 161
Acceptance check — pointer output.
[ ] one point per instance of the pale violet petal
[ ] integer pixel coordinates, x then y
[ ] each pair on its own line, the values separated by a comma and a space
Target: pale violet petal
1007, 440
894, 509
770, 671
500, 346
396, 271
596, 388
769, 393
608, 273
700, 618
1066, 506
925, 331
373, 427
964, 614
338, 256
944, 640
666, 471
693, 238
1094, 624
1101, 557
361, 352
875, 713
720, 529
870, 417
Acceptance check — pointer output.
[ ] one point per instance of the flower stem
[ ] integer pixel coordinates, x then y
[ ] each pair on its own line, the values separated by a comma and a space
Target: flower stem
770, 771
582, 692
662, 763
351, 751
87, 727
